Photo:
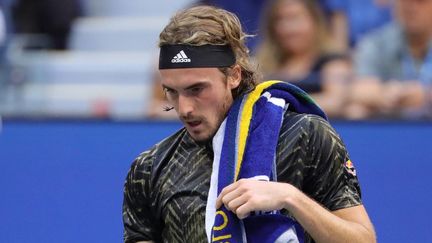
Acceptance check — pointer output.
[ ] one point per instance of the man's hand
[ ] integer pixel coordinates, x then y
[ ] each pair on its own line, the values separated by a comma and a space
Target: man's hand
248, 195
351, 224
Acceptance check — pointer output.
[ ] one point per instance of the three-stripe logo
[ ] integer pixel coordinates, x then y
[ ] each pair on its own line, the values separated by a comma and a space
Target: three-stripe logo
180, 57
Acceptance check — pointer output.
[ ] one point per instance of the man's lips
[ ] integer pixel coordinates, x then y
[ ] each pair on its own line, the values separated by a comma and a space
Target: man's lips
193, 123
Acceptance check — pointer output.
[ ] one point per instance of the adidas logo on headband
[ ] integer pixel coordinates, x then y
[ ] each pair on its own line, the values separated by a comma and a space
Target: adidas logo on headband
180, 57
190, 56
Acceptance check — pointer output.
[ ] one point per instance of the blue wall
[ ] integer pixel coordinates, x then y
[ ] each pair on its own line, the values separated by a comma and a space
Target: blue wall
62, 181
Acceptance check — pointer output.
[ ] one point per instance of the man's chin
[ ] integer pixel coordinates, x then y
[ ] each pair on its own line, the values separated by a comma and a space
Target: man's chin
202, 138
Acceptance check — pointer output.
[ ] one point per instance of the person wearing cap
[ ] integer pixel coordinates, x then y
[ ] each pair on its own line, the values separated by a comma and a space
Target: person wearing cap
170, 194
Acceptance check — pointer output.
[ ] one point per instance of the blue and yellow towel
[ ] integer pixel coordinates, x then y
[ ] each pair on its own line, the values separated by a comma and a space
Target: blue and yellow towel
245, 147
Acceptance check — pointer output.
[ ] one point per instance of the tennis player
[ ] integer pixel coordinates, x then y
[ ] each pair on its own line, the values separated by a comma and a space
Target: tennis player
205, 67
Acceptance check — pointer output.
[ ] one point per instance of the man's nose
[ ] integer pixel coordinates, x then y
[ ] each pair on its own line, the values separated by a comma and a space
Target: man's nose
185, 106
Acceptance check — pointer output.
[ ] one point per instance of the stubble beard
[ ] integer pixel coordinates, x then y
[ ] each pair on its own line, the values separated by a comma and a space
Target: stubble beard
222, 113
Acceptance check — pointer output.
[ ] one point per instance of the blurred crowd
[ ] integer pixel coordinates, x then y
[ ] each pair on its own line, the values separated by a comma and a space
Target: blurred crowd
44, 17
46, 25
363, 59
358, 59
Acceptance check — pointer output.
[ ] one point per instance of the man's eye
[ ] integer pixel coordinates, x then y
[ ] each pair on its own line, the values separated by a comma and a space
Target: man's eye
169, 91
170, 94
196, 90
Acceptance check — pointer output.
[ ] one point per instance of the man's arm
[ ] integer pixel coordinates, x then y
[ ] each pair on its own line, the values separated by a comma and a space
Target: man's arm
328, 205
344, 225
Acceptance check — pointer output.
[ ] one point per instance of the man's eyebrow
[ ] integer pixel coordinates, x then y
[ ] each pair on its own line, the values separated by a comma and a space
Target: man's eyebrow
198, 84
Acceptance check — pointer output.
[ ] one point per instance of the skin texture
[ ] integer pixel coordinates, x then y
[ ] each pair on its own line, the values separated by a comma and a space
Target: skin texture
344, 225
201, 97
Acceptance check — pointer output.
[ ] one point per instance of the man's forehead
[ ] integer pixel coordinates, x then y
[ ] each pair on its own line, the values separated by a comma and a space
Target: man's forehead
188, 76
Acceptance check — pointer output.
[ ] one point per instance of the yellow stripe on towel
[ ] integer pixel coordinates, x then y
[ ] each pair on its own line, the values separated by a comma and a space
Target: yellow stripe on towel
245, 119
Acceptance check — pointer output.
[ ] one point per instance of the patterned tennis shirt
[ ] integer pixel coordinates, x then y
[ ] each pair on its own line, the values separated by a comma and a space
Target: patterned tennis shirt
166, 188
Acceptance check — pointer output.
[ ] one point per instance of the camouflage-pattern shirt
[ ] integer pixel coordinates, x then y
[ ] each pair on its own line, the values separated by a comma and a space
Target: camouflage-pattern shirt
166, 188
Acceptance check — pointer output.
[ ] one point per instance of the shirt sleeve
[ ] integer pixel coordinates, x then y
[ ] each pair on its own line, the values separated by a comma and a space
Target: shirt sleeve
138, 221
332, 178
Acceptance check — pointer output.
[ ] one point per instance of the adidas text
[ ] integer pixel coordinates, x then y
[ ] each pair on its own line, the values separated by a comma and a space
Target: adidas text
177, 60
180, 57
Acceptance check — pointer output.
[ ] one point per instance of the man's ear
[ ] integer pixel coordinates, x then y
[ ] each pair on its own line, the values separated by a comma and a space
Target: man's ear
234, 77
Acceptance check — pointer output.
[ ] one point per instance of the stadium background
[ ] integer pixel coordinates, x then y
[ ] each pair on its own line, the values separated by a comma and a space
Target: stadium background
61, 179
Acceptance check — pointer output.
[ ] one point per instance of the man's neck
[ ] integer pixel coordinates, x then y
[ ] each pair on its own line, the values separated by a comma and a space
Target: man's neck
418, 45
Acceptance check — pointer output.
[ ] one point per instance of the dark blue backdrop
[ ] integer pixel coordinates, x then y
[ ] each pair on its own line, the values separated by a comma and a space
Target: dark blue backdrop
62, 181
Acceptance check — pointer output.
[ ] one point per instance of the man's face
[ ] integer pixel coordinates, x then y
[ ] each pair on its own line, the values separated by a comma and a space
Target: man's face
201, 98
415, 16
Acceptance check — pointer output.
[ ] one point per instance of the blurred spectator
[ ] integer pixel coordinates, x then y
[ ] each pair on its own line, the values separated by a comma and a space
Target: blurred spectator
50, 17
394, 65
352, 19
296, 48
5, 27
247, 11
4, 37
2, 53
2, 27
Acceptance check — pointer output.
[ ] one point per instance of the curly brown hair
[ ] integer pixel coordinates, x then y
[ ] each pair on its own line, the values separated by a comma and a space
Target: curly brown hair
202, 25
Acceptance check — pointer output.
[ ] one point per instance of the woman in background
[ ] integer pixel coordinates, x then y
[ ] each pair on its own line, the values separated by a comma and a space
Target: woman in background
296, 48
